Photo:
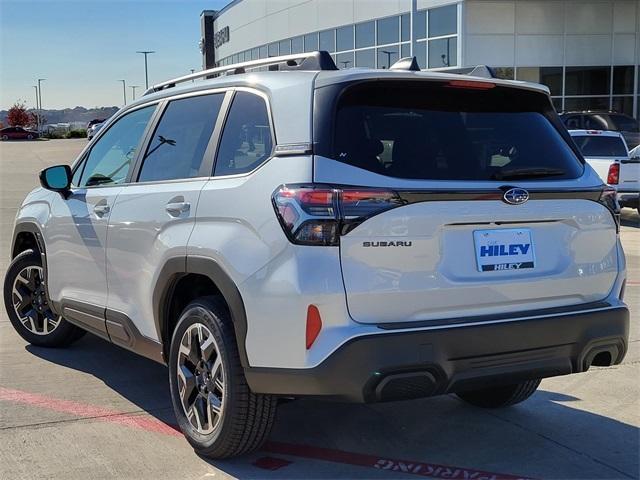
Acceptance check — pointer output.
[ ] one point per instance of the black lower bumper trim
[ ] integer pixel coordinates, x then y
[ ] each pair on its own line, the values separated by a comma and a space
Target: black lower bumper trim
399, 365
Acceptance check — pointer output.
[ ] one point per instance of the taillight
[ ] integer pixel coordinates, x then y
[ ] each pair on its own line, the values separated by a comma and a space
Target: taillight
609, 198
319, 214
613, 177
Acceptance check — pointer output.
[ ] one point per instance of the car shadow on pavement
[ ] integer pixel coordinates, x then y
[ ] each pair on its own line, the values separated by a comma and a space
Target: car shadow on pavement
629, 218
544, 437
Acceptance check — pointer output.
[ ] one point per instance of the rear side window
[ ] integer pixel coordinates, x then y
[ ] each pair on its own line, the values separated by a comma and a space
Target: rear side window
246, 141
181, 138
421, 130
600, 146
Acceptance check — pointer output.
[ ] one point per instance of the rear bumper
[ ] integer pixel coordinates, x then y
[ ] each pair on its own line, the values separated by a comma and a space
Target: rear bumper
411, 364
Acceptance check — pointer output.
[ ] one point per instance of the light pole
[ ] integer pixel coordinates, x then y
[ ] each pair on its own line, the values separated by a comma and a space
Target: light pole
124, 90
37, 109
40, 100
133, 88
388, 54
146, 70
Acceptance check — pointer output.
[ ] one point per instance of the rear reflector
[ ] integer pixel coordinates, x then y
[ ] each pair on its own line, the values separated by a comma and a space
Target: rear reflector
314, 325
613, 177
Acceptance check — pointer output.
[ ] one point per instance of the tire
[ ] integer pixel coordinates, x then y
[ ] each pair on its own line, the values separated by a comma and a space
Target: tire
5, 137
502, 396
29, 137
245, 418
27, 305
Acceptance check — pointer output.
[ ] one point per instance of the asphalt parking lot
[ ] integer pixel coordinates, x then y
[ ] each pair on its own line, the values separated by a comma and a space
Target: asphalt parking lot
97, 411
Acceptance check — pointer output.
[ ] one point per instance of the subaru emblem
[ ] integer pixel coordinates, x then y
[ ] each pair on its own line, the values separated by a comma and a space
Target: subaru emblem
515, 196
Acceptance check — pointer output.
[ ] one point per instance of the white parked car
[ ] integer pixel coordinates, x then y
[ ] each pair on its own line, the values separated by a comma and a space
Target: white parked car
607, 153
365, 235
93, 130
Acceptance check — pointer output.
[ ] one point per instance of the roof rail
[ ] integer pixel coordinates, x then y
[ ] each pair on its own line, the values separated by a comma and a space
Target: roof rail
318, 60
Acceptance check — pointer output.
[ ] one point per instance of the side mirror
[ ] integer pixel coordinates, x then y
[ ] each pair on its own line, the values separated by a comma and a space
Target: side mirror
57, 179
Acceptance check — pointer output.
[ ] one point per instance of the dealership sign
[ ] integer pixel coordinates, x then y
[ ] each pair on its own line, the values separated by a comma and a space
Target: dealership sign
221, 37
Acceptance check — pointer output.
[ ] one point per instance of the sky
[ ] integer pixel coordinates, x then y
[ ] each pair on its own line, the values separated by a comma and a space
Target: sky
84, 47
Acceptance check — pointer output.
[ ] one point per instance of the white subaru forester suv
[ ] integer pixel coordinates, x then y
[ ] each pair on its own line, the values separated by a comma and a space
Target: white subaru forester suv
361, 235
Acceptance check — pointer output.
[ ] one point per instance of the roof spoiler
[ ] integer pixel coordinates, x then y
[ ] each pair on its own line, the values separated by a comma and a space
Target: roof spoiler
482, 71
311, 61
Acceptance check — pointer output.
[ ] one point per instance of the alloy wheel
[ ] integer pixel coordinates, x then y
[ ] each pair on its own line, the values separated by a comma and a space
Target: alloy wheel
201, 380
30, 302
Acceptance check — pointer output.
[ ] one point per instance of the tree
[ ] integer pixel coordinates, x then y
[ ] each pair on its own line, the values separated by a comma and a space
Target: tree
18, 115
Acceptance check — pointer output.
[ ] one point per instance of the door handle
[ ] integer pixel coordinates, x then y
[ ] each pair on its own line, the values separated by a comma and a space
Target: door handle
175, 209
101, 209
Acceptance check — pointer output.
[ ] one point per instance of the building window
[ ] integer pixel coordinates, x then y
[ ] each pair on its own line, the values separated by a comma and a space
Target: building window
366, 58
587, 81
405, 30
405, 50
311, 42
549, 76
443, 52
420, 24
586, 103
328, 40
623, 80
365, 34
505, 73
344, 38
387, 56
273, 50
297, 45
388, 31
443, 21
623, 105
420, 52
285, 47
345, 60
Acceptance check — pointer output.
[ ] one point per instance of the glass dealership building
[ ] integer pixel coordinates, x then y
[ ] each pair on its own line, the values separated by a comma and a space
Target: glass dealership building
586, 52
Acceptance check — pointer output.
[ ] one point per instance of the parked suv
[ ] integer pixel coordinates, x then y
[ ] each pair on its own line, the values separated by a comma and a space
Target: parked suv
610, 121
360, 235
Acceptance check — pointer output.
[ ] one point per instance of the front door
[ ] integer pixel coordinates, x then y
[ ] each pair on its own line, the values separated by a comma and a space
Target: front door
76, 232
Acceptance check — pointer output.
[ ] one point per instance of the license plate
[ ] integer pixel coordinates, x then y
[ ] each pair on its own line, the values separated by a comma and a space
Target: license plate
504, 249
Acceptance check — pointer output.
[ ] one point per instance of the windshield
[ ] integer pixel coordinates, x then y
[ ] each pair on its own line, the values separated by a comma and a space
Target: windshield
600, 146
623, 123
429, 131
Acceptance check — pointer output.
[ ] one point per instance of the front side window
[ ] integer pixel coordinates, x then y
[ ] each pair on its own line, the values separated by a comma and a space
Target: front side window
111, 157
246, 141
430, 131
181, 138
600, 146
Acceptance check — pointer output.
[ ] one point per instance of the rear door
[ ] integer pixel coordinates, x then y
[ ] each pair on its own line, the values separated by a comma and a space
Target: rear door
497, 213
154, 215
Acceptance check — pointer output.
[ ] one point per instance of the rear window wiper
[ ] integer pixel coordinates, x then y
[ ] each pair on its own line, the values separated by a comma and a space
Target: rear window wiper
519, 173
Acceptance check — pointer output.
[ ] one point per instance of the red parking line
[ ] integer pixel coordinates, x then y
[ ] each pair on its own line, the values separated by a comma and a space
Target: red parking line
422, 469
87, 411
305, 451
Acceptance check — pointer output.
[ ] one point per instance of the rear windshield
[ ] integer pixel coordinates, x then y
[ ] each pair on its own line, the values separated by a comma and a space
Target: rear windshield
428, 130
600, 146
